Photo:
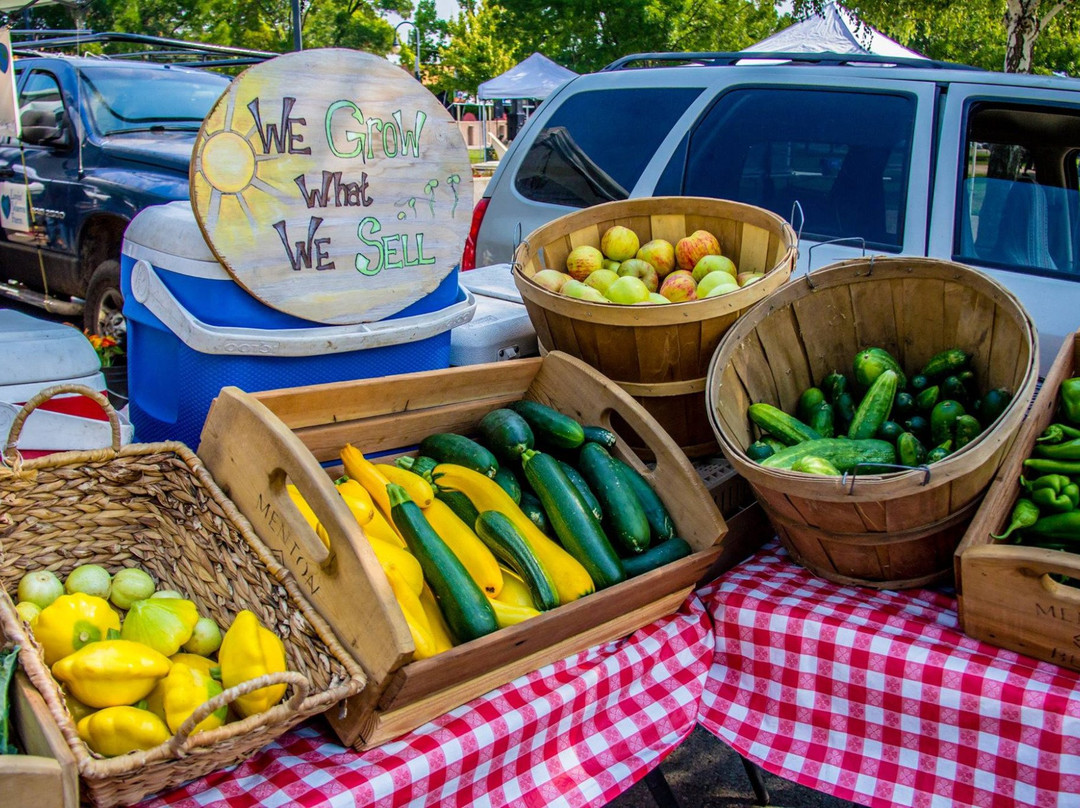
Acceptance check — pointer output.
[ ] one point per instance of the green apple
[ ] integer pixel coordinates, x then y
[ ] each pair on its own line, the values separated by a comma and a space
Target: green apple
601, 279
641, 269
656, 297
713, 263
628, 290
619, 243
714, 280
580, 291
583, 261
550, 279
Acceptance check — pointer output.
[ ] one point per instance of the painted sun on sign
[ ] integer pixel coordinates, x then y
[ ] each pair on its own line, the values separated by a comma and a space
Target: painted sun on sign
329, 184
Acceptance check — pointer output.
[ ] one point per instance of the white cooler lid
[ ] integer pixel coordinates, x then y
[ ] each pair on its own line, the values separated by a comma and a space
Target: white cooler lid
495, 280
36, 351
168, 237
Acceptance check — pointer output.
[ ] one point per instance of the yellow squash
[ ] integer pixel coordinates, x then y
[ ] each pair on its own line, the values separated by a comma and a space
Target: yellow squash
182, 692
380, 528
474, 555
358, 499
571, 579
364, 472
110, 673
418, 489
72, 621
415, 617
514, 591
248, 651
401, 562
119, 730
440, 632
510, 614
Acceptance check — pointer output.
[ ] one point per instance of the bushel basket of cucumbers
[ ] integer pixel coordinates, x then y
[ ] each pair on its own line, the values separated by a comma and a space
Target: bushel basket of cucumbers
164, 638
869, 405
487, 519
1019, 564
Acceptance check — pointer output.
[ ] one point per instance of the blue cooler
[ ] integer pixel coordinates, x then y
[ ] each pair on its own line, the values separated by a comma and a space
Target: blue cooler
193, 330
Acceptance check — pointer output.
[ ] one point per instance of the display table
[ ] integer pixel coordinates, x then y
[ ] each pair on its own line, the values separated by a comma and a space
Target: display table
879, 698
575, 733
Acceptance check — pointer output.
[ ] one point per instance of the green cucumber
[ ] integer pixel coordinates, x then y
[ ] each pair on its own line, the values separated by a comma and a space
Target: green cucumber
844, 453
910, 450
624, 519
531, 507
904, 406
811, 398
501, 537
822, 420
420, 465
943, 420
875, 407
834, 385
946, 362
449, 447
952, 387
890, 431
967, 429
843, 412
786, 428
872, 362
597, 434
462, 602
812, 464
586, 494
663, 553
759, 450
918, 383
508, 482
460, 504
549, 426
577, 529
927, 398
661, 525
991, 405
506, 433
920, 425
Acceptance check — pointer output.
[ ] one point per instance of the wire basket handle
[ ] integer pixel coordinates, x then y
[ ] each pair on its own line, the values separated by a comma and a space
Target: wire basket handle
12, 445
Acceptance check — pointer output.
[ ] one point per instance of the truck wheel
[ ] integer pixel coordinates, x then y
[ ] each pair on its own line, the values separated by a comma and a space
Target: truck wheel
103, 312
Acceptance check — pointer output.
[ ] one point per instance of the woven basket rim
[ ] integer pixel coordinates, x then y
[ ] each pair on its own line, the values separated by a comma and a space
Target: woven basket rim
96, 768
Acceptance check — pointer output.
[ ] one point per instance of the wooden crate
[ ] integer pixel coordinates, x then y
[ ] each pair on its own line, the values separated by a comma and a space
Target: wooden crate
1005, 591
254, 443
46, 776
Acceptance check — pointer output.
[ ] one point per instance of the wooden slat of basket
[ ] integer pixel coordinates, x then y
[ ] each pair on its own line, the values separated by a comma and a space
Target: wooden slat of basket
733, 418
668, 226
874, 310
924, 313
754, 249
783, 345
751, 363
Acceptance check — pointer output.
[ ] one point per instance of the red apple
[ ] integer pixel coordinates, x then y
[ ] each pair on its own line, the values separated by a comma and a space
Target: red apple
659, 253
679, 286
550, 279
583, 261
689, 250
637, 268
745, 278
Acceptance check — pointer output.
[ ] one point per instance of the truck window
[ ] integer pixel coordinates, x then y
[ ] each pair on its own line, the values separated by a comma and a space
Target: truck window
596, 144
40, 101
1019, 207
843, 156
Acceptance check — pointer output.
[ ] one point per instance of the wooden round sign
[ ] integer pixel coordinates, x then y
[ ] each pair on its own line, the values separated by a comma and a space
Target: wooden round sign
332, 186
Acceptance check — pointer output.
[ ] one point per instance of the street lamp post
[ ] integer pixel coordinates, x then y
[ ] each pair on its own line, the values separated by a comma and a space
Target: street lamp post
397, 43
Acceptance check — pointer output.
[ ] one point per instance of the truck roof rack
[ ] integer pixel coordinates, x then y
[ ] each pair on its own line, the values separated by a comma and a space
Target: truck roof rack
155, 49
722, 58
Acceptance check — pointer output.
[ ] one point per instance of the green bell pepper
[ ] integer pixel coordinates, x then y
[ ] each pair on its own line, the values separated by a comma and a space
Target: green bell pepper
1058, 433
1053, 492
1070, 399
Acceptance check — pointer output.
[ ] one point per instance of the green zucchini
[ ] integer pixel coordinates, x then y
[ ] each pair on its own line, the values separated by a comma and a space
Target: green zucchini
872, 362
597, 434
531, 507
586, 494
460, 504
576, 527
549, 426
657, 556
449, 447
462, 602
786, 428
501, 537
910, 450
506, 433
624, 519
420, 465
875, 407
946, 362
508, 482
844, 453
661, 525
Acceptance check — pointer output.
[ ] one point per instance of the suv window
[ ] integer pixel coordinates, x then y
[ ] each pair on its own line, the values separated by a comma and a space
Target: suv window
1019, 208
843, 156
40, 102
595, 146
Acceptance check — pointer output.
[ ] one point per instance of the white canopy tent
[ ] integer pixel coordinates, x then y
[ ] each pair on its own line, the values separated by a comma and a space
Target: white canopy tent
832, 31
533, 78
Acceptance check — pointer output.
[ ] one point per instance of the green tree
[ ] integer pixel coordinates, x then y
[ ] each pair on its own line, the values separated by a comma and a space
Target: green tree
477, 50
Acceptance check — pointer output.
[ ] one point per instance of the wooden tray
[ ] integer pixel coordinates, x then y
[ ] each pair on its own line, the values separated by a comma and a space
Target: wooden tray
1005, 592
253, 444
47, 775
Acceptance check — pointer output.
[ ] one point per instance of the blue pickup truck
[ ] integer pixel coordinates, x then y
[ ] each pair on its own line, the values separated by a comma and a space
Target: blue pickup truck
101, 139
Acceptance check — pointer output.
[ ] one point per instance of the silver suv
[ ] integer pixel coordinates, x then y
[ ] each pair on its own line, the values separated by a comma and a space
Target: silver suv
862, 154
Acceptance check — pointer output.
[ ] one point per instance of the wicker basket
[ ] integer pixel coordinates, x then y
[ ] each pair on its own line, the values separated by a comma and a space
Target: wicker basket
657, 354
894, 530
155, 506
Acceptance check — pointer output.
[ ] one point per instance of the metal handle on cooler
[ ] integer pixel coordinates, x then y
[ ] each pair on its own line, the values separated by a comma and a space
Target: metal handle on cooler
149, 290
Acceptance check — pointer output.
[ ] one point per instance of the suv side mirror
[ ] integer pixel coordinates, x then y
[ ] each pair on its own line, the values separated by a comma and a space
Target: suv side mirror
42, 128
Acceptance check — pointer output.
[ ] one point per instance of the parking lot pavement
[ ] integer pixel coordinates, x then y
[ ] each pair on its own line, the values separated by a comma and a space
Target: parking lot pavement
706, 773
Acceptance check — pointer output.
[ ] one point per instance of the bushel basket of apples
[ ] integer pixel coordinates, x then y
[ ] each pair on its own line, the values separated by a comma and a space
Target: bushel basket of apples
643, 290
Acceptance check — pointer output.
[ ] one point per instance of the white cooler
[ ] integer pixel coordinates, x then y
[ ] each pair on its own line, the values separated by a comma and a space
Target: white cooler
36, 354
500, 329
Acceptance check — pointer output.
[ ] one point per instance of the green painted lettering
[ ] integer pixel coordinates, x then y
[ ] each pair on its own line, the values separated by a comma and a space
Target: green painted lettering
363, 263
358, 138
410, 140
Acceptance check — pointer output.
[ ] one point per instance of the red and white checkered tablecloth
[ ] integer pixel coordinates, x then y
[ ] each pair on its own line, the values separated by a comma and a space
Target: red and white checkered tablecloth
878, 698
574, 733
